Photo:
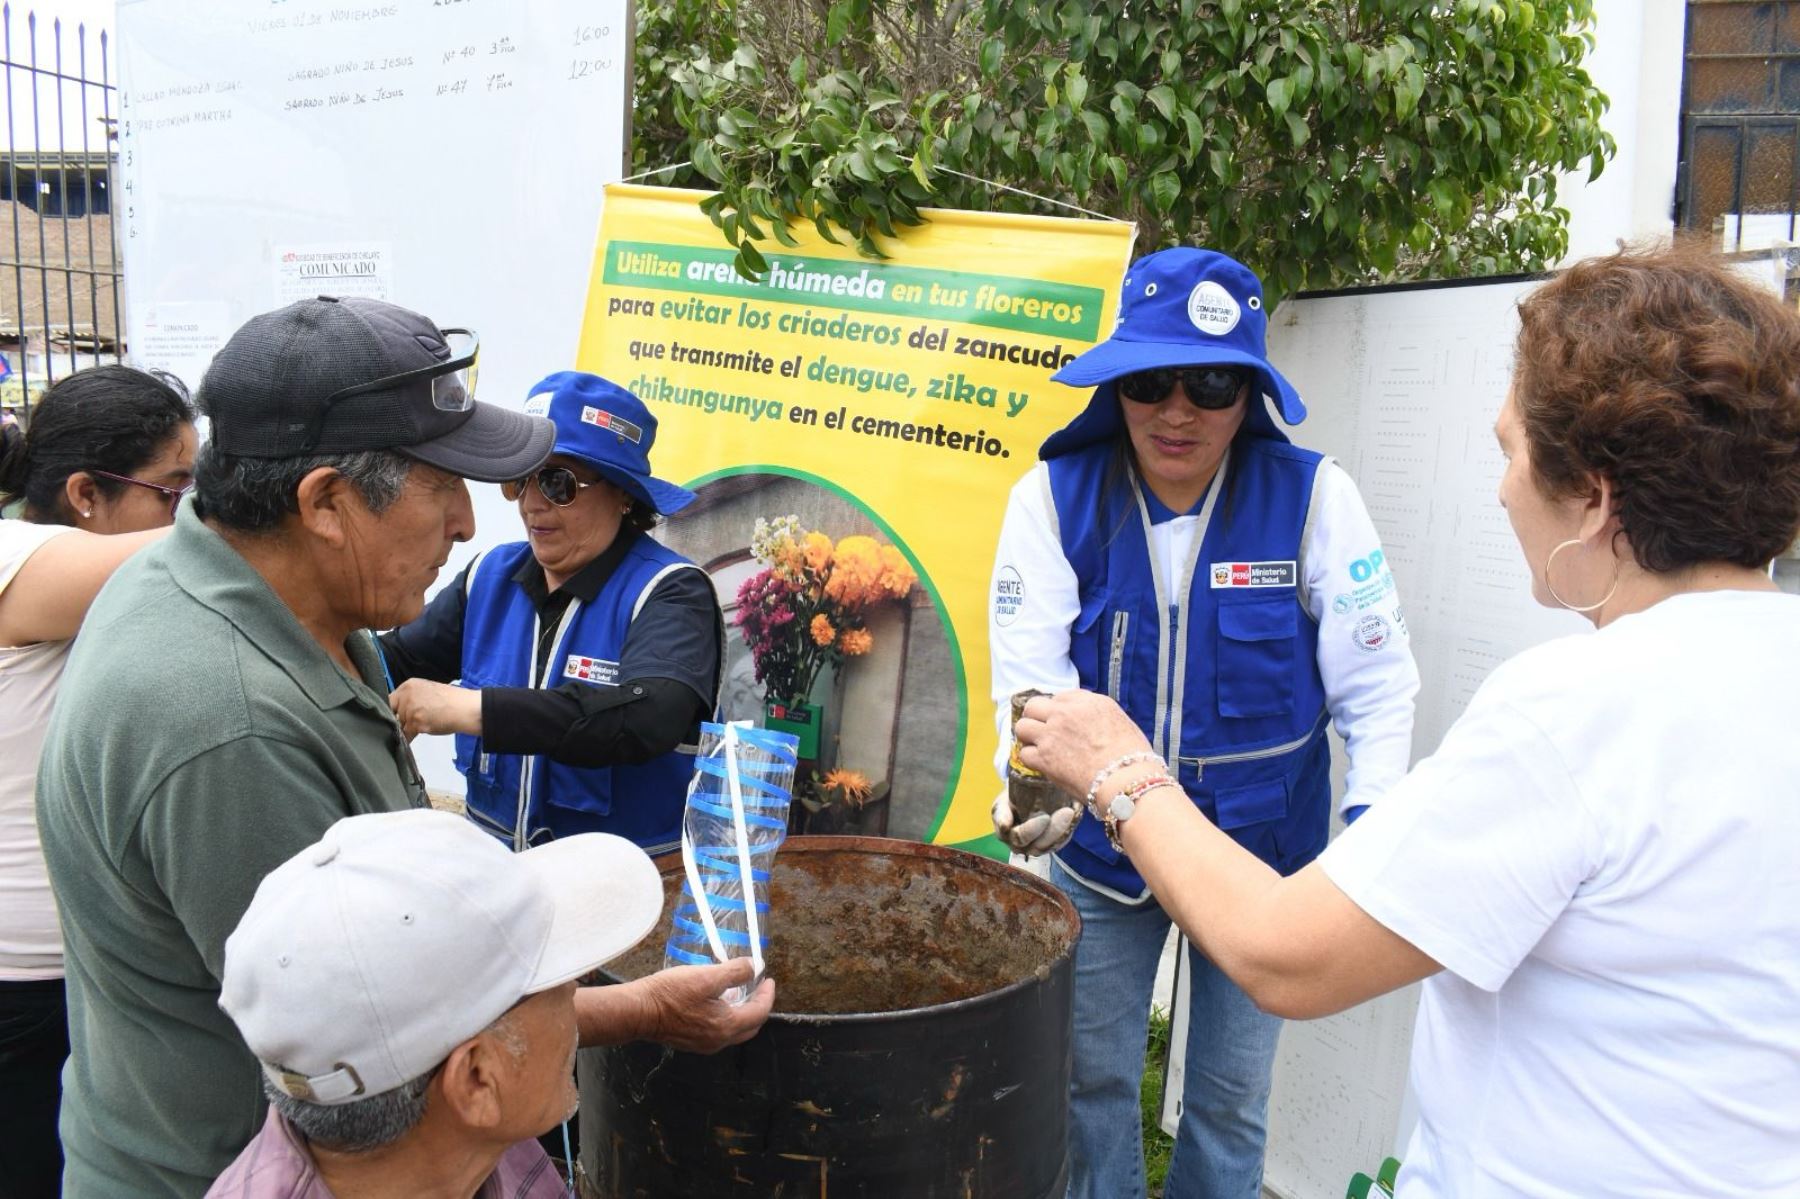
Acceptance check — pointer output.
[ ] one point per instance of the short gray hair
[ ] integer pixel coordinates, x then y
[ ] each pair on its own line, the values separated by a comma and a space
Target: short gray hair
382, 1119
254, 495
361, 1125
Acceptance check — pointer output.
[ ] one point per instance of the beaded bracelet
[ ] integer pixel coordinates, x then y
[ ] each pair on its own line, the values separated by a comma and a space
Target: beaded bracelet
1123, 805
1137, 791
1116, 765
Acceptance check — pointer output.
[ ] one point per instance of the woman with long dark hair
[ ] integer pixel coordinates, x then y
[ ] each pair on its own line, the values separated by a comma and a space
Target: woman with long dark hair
96, 477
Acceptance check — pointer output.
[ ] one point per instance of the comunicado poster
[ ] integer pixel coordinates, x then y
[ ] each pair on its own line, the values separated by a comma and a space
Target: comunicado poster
852, 428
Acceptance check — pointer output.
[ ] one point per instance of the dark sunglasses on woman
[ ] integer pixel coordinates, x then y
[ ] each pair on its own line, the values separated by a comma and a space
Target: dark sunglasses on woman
557, 484
1209, 387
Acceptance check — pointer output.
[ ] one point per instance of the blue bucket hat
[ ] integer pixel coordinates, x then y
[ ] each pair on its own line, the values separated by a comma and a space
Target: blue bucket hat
1179, 307
603, 425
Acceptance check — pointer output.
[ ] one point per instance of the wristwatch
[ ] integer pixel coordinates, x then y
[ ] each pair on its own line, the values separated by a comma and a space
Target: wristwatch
1118, 810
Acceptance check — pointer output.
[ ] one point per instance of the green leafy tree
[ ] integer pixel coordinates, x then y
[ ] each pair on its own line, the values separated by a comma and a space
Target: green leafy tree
1324, 142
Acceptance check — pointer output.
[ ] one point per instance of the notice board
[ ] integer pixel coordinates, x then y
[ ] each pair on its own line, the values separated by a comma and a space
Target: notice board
448, 155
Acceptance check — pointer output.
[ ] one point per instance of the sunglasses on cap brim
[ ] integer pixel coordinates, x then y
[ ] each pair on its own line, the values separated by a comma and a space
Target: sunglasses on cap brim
557, 484
1209, 387
452, 381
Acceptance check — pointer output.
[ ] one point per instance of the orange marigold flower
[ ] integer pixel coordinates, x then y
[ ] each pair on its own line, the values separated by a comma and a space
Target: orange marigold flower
852, 786
821, 630
855, 642
817, 549
855, 572
897, 575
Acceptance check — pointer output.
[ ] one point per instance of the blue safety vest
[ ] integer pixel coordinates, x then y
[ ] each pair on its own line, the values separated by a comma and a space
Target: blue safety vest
528, 799
1221, 671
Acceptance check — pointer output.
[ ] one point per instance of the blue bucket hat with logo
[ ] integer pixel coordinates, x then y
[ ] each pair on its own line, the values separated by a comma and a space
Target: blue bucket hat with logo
603, 425
1179, 307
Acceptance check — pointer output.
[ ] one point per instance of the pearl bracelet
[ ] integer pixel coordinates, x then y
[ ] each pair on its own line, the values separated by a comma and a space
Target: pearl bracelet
1116, 765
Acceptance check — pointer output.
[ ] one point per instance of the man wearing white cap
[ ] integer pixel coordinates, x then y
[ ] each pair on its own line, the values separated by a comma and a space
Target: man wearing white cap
408, 986
226, 704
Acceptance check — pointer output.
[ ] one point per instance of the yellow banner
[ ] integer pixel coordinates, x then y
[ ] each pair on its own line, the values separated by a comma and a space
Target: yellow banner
878, 404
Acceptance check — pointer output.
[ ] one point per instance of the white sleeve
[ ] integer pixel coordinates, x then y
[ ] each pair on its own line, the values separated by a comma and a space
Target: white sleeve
1365, 652
19, 539
1477, 852
1034, 599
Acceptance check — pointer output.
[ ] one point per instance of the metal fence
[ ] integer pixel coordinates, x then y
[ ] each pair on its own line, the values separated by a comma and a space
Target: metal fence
1740, 155
60, 298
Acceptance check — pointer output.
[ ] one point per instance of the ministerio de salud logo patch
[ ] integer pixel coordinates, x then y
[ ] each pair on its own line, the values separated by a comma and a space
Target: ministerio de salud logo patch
1254, 574
617, 424
591, 670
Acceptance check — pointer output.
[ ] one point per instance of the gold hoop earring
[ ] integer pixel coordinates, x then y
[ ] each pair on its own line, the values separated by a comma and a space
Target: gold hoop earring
1551, 587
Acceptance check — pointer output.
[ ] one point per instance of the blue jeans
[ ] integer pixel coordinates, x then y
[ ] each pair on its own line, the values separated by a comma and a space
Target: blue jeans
1230, 1054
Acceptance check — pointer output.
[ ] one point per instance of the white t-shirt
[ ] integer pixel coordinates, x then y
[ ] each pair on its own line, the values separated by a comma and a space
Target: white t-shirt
1605, 857
30, 939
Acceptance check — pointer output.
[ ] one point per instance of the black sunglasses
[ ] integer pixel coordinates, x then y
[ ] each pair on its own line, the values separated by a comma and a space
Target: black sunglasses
1209, 387
452, 382
557, 484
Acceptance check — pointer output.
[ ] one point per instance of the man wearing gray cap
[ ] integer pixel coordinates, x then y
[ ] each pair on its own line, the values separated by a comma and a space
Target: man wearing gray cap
407, 986
225, 705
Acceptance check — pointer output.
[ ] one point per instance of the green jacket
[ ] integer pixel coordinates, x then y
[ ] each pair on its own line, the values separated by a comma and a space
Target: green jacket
201, 738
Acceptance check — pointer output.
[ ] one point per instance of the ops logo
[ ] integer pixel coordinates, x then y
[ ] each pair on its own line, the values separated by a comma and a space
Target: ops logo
1364, 569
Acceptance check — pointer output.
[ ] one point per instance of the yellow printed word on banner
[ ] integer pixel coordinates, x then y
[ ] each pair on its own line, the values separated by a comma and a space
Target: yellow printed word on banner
880, 404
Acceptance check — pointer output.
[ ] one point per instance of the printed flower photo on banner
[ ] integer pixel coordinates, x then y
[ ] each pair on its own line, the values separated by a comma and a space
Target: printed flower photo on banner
805, 609
831, 635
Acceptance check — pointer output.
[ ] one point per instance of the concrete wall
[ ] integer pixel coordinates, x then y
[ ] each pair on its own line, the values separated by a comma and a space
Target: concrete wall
1637, 61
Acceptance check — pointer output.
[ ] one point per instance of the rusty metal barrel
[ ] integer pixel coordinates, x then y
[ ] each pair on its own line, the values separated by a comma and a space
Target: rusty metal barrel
920, 1046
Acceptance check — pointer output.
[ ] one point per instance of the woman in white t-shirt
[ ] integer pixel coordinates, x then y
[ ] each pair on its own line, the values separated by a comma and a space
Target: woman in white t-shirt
1598, 872
109, 450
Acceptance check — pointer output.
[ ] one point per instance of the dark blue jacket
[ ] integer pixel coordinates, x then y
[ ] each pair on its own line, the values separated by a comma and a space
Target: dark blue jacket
526, 799
1222, 672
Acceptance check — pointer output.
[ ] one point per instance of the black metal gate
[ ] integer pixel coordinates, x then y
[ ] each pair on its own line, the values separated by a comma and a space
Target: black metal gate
1740, 135
60, 303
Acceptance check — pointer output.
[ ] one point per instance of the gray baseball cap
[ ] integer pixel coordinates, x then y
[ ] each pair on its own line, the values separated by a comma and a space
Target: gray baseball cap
338, 376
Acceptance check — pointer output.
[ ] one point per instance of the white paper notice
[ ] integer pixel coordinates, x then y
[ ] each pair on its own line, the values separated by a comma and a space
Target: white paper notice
182, 337
364, 268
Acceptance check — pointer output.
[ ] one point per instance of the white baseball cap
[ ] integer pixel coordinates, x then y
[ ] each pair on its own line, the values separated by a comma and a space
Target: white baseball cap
364, 959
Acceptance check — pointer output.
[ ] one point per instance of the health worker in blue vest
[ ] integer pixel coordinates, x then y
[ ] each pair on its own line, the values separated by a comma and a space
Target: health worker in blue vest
1174, 551
587, 654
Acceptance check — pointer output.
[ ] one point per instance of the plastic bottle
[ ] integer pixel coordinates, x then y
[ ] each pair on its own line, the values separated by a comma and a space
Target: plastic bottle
736, 819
